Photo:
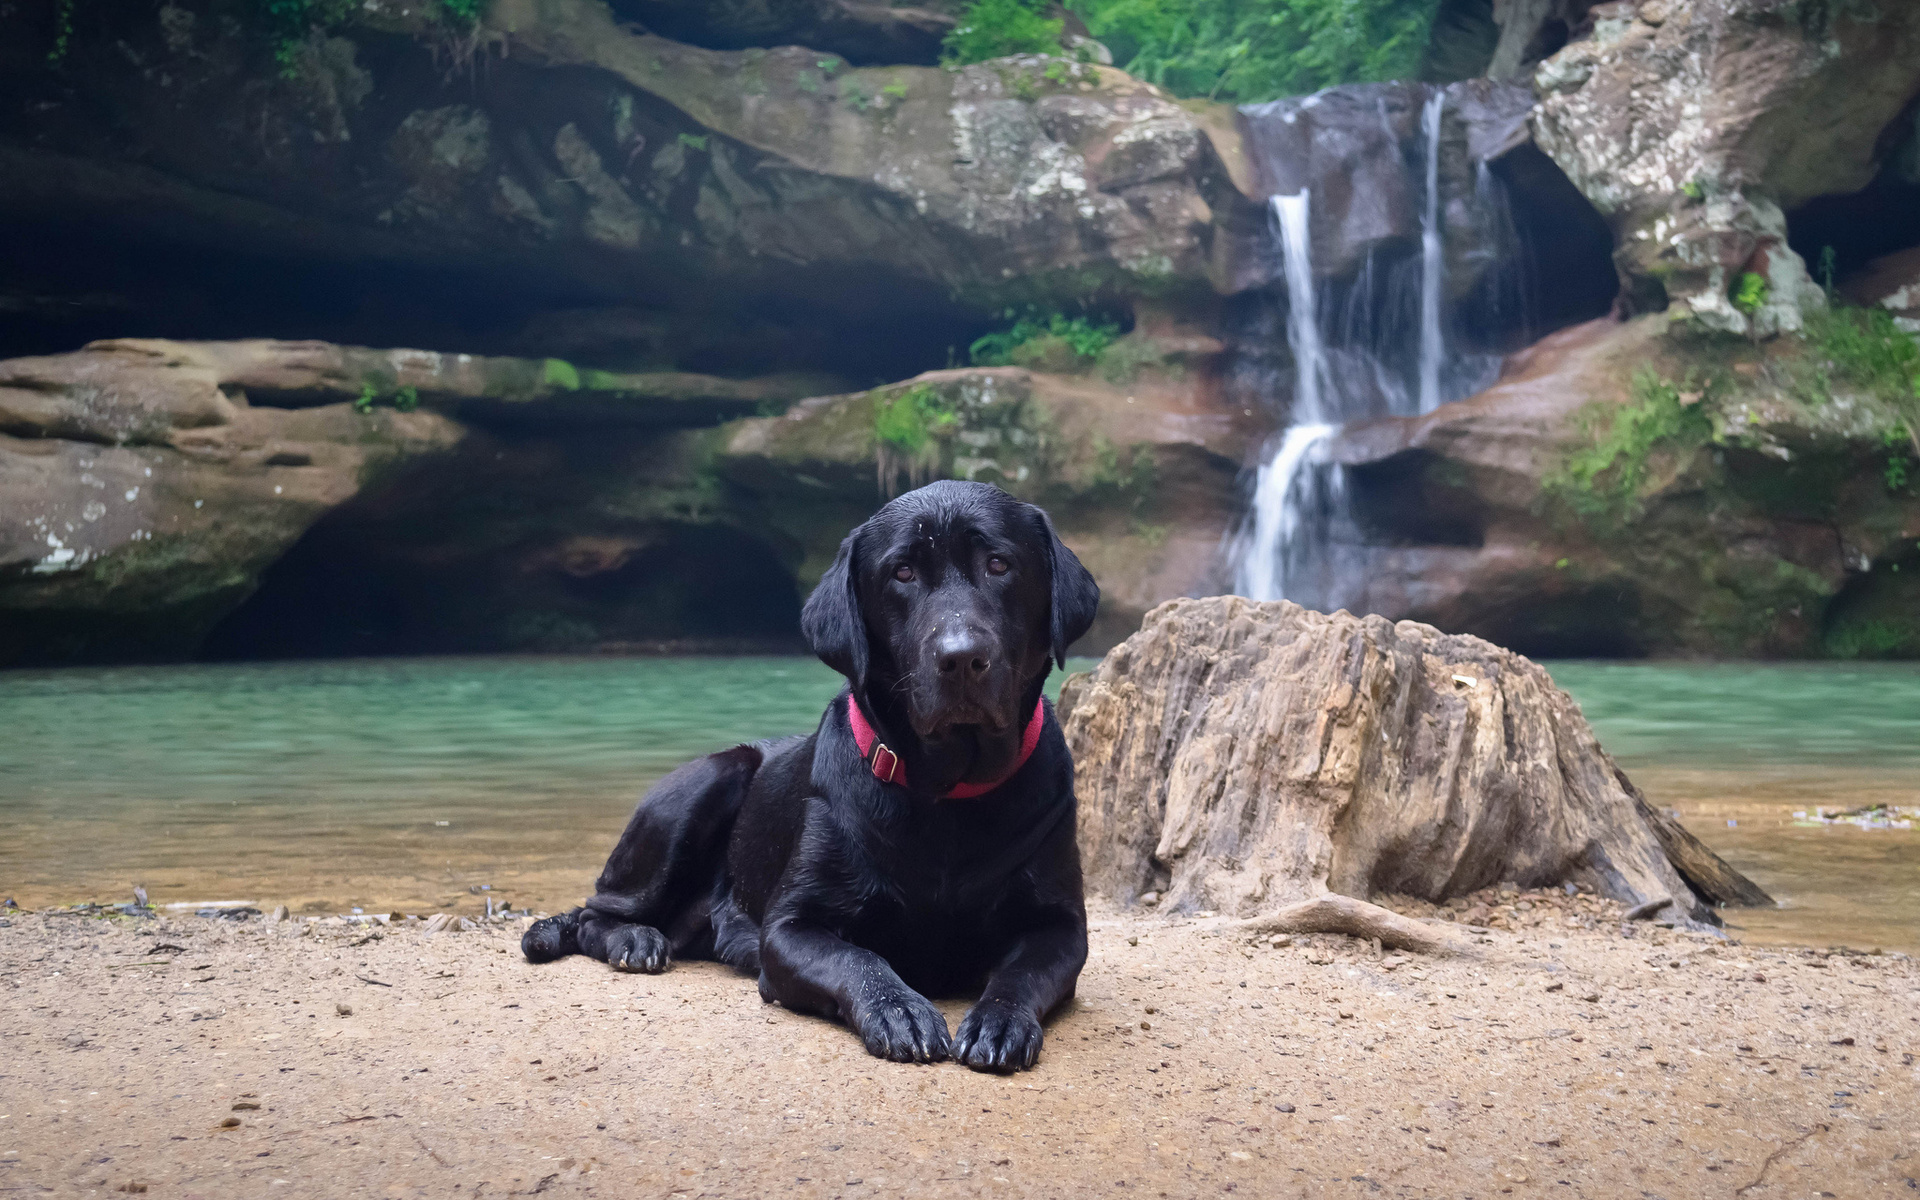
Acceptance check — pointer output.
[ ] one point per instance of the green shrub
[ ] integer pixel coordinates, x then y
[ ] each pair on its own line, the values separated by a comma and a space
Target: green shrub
1026, 342
910, 421
1603, 480
997, 28
561, 373
1864, 348
1751, 293
1249, 50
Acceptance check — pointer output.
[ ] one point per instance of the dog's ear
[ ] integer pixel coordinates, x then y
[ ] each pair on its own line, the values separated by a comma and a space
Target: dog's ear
832, 622
1076, 597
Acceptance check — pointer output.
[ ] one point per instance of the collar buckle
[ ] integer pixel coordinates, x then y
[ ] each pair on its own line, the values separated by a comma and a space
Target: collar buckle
885, 764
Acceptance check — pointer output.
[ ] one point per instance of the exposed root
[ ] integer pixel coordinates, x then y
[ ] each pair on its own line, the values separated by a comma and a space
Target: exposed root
1354, 918
1648, 910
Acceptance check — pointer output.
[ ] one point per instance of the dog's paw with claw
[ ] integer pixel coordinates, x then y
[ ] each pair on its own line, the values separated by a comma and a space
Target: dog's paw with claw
638, 948
902, 1025
997, 1036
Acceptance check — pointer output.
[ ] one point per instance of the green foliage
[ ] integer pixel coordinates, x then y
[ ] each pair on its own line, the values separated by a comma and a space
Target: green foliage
1828, 260
405, 399
1603, 480
1867, 349
62, 32
693, 141
1899, 469
910, 421
1693, 190
997, 28
1250, 50
1751, 293
828, 66
1081, 337
897, 89
561, 373
1057, 72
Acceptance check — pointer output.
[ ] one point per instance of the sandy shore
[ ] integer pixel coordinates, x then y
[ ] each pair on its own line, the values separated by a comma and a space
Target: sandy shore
199, 1057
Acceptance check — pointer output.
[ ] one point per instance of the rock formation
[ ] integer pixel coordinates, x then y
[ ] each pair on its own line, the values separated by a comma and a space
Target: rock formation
1245, 758
1694, 127
1750, 512
141, 494
556, 159
149, 484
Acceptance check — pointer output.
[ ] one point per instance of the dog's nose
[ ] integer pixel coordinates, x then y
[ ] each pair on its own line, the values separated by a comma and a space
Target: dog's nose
962, 654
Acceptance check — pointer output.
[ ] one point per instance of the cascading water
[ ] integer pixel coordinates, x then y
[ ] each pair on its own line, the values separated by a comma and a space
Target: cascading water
1280, 512
1351, 363
1432, 260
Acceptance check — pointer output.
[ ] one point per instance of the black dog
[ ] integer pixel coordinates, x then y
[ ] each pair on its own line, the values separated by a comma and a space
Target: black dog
922, 839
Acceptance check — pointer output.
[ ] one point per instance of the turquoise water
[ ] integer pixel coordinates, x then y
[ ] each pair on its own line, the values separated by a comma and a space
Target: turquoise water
1730, 714
411, 784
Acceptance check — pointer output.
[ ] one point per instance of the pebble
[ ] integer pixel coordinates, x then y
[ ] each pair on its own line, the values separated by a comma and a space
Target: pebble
1284, 1107
345, 1010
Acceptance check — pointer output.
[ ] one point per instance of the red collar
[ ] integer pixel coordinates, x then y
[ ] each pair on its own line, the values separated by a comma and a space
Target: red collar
887, 767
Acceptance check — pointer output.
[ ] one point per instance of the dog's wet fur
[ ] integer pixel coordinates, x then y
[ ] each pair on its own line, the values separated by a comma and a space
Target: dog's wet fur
853, 898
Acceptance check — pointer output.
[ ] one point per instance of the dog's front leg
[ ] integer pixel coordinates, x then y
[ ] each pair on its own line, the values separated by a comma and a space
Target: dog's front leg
1002, 1032
811, 969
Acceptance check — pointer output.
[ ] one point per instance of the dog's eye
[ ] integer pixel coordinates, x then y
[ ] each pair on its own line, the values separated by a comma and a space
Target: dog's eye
996, 565
903, 573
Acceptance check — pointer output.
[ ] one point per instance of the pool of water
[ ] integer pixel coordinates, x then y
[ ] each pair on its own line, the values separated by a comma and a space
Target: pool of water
413, 784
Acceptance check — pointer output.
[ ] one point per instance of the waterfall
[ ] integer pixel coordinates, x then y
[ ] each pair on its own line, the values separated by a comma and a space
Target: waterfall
1281, 511
1290, 219
1432, 262
1300, 541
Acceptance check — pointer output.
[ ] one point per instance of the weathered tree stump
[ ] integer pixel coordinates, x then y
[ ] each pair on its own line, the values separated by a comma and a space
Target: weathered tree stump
1251, 758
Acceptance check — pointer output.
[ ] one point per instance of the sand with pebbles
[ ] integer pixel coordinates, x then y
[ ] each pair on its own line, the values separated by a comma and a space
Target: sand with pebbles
1574, 1056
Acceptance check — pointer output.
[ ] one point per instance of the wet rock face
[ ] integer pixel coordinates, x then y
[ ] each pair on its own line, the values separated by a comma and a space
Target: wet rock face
1240, 757
1361, 150
1693, 126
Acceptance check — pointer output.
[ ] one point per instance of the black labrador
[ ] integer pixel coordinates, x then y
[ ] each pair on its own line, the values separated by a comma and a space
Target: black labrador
921, 841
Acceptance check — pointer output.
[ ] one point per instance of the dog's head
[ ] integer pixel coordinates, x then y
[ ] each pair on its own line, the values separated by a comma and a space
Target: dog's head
949, 604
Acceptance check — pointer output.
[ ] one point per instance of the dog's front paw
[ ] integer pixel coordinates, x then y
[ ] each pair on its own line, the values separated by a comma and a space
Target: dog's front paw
904, 1026
550, 938
638, 948
997, 1036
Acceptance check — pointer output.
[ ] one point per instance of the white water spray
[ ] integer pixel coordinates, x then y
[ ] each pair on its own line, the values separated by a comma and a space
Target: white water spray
1432, 262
